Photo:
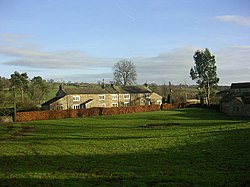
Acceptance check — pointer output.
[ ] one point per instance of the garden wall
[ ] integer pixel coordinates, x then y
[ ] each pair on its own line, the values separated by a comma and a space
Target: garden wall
59, 114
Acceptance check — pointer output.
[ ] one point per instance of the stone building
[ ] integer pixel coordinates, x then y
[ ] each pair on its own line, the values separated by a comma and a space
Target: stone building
103, 96
237, 101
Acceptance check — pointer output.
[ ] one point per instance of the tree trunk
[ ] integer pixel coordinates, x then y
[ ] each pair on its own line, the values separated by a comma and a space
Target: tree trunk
22, 97
208, 94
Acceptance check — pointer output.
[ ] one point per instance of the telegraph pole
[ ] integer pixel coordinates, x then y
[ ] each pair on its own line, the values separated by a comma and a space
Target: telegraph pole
14, 103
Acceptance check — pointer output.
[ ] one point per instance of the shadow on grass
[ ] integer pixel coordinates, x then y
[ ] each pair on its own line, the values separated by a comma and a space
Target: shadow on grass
223, 160
206, 114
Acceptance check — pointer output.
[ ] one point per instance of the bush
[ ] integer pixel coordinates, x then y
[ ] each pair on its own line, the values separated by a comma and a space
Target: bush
27, 106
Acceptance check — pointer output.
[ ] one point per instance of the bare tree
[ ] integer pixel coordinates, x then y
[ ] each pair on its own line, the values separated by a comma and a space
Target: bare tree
124, 73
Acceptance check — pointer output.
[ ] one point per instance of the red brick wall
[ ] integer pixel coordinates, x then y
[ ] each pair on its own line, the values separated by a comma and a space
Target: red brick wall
59, 114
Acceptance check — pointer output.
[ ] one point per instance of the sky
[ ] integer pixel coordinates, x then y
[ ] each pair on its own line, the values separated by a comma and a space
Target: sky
81, 40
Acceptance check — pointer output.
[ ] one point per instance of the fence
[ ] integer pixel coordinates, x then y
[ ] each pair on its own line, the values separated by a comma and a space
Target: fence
59, 114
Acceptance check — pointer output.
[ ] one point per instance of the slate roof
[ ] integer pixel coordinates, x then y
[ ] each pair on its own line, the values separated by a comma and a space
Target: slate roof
88, 101
51, 101
230, 97
240, 85
132, 89
108, 89
86, 91
111, 89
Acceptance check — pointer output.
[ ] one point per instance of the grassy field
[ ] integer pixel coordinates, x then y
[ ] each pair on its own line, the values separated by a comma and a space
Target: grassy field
187, 147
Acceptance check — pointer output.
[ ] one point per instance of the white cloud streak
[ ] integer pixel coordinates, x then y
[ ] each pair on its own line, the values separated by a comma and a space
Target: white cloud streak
33, 56
123, 11
245, 21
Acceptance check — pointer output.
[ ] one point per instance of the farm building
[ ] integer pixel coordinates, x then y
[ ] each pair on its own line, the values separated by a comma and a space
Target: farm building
237, 101
105, 96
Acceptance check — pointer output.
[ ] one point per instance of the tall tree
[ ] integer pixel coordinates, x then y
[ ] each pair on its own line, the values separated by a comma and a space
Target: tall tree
20, 81
37, 89
204, 72
124, 72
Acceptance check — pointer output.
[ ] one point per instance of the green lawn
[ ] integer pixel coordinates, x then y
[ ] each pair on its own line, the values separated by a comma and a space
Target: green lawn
187, 147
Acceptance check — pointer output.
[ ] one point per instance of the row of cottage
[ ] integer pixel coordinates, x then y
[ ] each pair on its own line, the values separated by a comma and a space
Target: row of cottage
105, 96
235, 101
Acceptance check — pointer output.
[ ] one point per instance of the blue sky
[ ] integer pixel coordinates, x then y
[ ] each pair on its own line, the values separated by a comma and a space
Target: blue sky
81, 40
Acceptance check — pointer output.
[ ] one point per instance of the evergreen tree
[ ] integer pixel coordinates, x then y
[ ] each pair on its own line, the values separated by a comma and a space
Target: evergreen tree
204, 72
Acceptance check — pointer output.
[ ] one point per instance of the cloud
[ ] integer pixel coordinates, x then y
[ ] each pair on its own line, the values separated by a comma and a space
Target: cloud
10, 38
171, 66
72, 65
85, 77
233, 64
245, 21
33, 56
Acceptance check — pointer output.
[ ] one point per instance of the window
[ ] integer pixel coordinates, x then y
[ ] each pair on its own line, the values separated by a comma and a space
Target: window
59, 107
126, 103
147, 95
114, 104
237, 109
101, 97
126, 96
76, 106
159, 102
76, 98
114, 97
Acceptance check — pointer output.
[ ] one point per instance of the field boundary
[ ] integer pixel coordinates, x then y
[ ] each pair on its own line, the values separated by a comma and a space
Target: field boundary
98, 111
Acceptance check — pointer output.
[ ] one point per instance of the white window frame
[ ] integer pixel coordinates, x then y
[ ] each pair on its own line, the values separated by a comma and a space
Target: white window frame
147, 95
159, 102
59, 107
126, 96
126, 103
114, 96
101, 97
114, 104
76, 97
76, 107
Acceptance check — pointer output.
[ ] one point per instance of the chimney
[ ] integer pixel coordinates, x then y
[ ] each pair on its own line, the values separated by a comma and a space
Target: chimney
112, 84
103, 84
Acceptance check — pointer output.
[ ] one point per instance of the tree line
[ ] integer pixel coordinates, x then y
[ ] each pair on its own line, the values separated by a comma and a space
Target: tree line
27, 93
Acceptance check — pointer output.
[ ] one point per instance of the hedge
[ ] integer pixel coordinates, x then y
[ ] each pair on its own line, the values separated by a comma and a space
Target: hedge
59, 114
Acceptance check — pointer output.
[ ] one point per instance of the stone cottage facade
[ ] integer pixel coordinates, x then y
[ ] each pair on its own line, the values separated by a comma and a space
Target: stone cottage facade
237, 101
105, 96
